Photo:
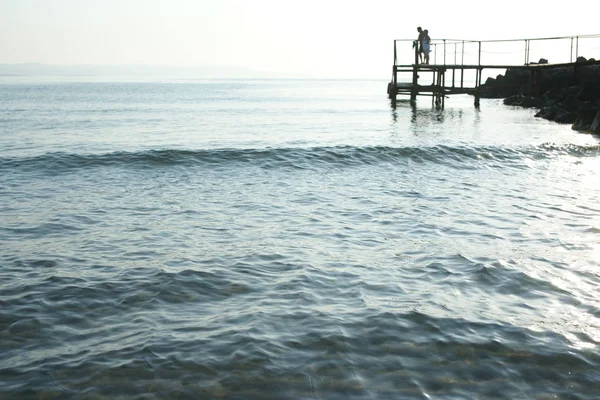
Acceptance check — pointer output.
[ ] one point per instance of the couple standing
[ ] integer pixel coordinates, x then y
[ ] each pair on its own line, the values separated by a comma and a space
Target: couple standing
424, 45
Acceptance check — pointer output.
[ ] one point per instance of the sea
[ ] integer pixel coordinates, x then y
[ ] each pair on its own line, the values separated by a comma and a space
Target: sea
169, 238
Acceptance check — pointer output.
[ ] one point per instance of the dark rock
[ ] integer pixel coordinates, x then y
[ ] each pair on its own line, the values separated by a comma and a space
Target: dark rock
531, 102
565, 94
547, 113
524, 101
549, 102
557, 79
585, 116
588, 107
515, 100
571, 103
580, 124
595, 126
565, 117
589, 90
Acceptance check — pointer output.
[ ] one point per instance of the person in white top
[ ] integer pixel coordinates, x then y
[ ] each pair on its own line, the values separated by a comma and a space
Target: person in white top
426, 45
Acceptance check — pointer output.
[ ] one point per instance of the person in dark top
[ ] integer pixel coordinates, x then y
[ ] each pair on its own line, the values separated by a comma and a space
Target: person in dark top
420, 43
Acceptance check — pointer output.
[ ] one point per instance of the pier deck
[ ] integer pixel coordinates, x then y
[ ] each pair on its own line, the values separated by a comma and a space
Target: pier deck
464, 74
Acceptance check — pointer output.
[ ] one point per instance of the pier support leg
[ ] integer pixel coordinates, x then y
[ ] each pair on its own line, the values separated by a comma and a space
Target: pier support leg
392, 96
477, 87
443, 88
392, 91
415, 80
439, 90
392, 88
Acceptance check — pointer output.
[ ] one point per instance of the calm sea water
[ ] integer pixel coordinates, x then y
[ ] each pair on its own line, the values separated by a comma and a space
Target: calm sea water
292, 240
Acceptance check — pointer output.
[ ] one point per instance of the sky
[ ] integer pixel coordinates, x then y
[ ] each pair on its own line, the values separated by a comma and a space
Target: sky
319, 38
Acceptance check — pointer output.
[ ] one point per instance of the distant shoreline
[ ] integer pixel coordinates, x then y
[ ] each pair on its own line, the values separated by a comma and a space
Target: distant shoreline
55, 70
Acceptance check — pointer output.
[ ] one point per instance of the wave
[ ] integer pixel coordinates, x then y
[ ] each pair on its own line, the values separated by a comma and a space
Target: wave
302, 158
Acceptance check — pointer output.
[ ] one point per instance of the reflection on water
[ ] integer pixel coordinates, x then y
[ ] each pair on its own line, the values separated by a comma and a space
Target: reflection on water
284, 240
422, 117
461, 121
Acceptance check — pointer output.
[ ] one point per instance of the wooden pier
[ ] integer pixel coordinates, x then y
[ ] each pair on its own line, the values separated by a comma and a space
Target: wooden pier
458, 67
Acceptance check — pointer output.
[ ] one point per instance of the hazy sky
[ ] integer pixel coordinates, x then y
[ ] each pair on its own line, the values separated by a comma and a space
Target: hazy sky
325, 38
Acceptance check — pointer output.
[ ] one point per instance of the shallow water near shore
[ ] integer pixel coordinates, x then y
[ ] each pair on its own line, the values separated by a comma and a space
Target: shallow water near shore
292, 240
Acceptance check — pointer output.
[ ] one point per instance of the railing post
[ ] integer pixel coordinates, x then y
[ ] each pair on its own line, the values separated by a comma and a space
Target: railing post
444, 51
416, 45
413, 91
571, 55
462, 62
454, 69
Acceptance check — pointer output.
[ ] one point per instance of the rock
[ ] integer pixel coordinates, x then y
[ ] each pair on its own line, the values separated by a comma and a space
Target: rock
557, 79
571, 103
565, 117
589, 90
513, 100
547, 113
566, 94
585, 116
595, 126
531, 102
523, 101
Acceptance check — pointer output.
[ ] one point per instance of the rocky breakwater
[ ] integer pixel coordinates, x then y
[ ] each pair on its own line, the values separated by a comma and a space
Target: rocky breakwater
565, 93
